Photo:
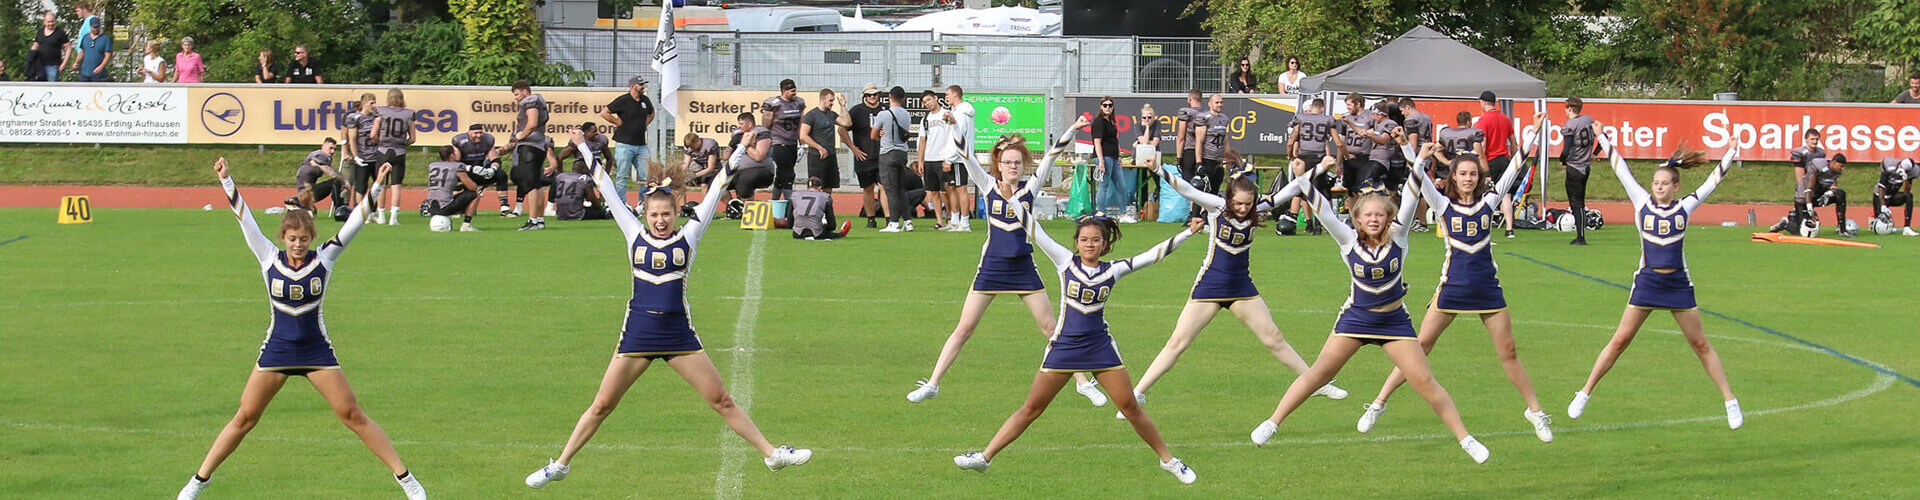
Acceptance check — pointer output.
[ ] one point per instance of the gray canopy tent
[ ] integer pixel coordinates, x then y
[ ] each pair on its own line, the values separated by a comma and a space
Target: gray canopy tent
1425, 63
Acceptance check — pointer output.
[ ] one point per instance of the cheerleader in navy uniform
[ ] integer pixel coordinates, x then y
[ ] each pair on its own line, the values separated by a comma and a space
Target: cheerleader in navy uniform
1373, 250
1081, 343
1006, 259
1662, 282
1225, 281
297, 342
1469, 279
657, 324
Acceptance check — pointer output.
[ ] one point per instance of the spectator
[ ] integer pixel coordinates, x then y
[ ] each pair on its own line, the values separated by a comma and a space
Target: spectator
866, 151
630, 114
50, 44
96, 50
960, 198
187, 66
1242, 81
303, 69
1290, 80
3, 71
890, 128
84, 9
1115, 188
153, 67
817, 130
782, 116
1912, 95
263, 73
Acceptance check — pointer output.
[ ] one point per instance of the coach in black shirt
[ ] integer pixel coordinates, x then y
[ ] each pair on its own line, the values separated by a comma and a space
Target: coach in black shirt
302, 69
630, 113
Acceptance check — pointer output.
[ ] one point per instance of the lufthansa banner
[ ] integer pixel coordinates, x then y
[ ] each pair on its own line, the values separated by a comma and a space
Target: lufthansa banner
308, 114
116, 114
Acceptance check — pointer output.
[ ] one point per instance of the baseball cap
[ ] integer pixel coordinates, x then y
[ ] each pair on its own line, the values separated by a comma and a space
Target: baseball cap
1487, 96
636, 80
870, 89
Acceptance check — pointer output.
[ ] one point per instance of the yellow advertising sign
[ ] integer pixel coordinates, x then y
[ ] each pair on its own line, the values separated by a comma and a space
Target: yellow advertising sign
713, 113
262, 114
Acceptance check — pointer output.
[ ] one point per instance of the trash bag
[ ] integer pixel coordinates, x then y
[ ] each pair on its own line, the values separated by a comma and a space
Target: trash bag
1080, 198
1173, 207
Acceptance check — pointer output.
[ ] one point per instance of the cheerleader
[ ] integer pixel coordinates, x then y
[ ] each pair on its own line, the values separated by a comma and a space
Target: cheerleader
297, 344
1006, 260
1469, 280
1225, 281
1373, 249
1662, 282
1081, 343
657, 325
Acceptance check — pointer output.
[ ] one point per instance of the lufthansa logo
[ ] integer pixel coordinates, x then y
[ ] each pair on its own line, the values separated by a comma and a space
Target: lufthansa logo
222, 114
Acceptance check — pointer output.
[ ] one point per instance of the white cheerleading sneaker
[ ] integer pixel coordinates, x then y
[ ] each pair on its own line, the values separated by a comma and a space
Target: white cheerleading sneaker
1542, 424
411, 485
1180, 471
924, 391
1475, 449
1264, 432
1578, 406
193, 488
1092, 392
787, 455
1369, 416
972, 461
1734, 416
554, 471
1330, 391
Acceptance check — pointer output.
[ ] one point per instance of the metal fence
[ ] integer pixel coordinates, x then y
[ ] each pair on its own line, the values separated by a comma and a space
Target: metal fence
910, 59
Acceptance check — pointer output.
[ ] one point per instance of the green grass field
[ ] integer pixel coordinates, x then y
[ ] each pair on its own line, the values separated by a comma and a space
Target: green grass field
126, 343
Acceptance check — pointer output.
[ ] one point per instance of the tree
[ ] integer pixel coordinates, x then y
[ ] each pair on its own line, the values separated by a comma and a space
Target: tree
503, 44
1322, 33
1891, 31
1759, 48
231, 33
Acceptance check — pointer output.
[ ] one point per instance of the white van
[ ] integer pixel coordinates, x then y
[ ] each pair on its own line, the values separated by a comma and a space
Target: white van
783, 19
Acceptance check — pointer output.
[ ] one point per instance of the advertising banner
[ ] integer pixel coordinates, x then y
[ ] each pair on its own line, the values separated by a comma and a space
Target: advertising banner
712, 113
308, 114
1765, 131
1259, 125
116, 114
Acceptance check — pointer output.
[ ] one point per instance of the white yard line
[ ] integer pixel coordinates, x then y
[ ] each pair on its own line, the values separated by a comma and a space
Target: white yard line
734, 451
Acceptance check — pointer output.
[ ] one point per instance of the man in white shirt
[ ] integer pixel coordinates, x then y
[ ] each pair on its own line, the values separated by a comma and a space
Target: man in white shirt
960, 202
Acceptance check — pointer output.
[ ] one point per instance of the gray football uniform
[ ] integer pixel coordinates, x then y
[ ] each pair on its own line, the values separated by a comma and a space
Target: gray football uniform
443, 178
1351, 125
1184, 123
1383, 153
1216, 144
539, 136
1577, 143
597, 146
786, 118
308, 174
364, 143
1460, 140
1419, 123
395, 123
810, 212
746, 143
570, 195
1316, 131
473, 152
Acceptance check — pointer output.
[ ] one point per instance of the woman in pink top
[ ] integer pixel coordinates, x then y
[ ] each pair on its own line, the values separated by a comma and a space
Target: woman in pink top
187, 67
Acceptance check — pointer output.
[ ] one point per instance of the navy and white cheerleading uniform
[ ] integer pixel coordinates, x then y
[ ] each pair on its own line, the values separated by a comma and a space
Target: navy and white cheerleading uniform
1080, 340
657, 325
1006, 259
1663, 233
1375, 311
1469, 279
1225, 275
297, 341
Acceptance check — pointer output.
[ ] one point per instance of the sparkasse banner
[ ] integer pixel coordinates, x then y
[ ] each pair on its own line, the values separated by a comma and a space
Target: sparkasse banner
262, 114
1765, 131
120, 114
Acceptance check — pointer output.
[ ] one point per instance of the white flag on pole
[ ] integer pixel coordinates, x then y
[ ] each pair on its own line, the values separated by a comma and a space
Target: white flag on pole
666, 61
